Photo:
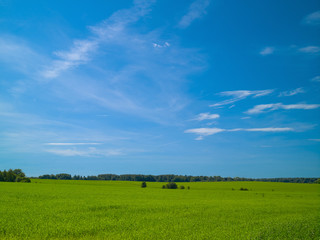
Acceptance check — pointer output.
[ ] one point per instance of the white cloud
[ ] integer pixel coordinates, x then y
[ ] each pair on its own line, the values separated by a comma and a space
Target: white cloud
78, 52
292, 92
270, 129
206, 116
314, 139
240, 95
90, 152
309, 49
316, 79
156, 45
71, 144
312, 19
196, 10
267, 51
202, 132
262, 108
291, 50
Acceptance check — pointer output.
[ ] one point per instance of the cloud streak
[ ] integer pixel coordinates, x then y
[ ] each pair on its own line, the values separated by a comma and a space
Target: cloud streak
196, 10
292, 92
263, 108
309, 49
90, 152
240, 95
71, 144
202, 132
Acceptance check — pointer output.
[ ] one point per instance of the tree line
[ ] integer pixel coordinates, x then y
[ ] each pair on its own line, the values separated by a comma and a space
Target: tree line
173, 178
15, 175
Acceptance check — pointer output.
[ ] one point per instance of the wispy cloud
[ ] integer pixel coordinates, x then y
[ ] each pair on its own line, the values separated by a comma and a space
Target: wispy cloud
202, 132
310, 49
263, 108
19, 56
291, 93
312, 19
90, 152
316, 79
71, 144
270, 129
314, 139
267, 51
109, 29
240, 95
196, 10
134, 73
290, 50
206, 116
77, 55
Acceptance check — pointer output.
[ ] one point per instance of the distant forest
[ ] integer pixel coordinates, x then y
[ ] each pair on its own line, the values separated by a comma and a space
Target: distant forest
174, 178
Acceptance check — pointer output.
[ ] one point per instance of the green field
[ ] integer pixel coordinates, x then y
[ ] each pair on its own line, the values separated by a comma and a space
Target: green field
57, 209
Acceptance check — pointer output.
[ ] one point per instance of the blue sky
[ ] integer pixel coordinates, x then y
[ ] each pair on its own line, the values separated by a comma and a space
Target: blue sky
198, 87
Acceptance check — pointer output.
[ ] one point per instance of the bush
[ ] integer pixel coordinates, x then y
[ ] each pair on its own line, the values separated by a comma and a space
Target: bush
163, 186
25, 180
172, 185
188, 187
243, 189
144, 184
181, 187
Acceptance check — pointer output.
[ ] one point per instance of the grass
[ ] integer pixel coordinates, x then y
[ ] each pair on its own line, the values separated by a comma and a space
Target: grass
57, 209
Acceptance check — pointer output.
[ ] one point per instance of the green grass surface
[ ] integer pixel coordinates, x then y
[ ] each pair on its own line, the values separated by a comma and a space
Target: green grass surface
57, 209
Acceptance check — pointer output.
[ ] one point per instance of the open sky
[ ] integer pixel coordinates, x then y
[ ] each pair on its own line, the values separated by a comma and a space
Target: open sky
193, 87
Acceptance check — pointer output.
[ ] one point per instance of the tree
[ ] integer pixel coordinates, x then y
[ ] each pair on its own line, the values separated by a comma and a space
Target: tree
143, 184
63, 176
19, 173
11, 177
15, 175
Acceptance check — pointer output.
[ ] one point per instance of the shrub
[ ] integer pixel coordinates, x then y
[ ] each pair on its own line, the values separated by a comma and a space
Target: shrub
188, 187
25, 180
181, 187
172, 185
243, 189
163, 186
143, 184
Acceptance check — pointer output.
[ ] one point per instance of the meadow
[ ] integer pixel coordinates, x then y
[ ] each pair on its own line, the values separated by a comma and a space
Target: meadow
68, 209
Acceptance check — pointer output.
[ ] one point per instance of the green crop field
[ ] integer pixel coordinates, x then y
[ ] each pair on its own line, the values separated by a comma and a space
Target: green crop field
57, 209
